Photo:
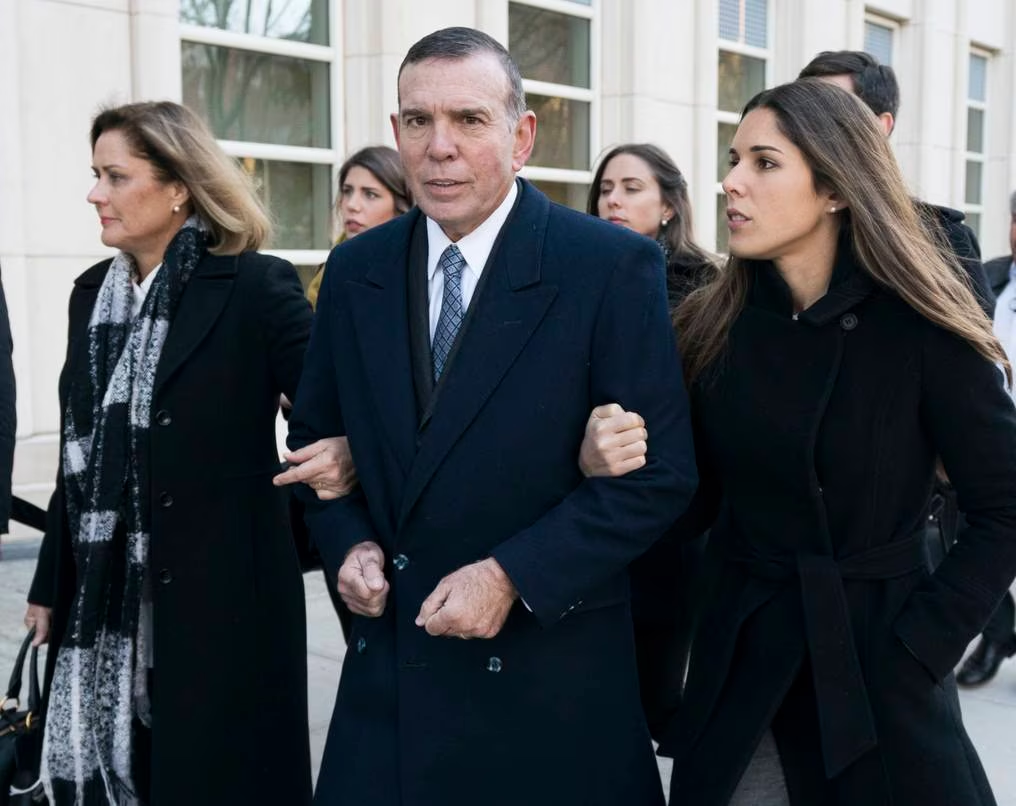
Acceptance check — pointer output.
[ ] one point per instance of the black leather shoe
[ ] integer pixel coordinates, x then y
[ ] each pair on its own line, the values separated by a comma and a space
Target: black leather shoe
983, 663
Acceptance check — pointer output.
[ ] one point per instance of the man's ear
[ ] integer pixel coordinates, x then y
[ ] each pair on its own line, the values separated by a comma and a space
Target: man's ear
887, 122
525, 138
394, 117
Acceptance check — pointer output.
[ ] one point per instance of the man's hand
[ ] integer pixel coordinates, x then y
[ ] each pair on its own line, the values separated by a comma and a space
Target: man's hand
615, 442
472, 602
39, 617
362, 585
325, 465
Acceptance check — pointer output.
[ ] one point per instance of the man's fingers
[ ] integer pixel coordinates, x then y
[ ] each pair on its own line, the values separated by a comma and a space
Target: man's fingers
295, 473
606, 411
432, 604
370, 568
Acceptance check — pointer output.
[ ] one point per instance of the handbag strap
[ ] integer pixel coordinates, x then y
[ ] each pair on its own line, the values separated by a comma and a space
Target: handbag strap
14, 686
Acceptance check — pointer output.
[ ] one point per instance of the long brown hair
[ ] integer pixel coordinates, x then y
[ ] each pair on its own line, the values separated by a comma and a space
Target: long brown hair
848, 154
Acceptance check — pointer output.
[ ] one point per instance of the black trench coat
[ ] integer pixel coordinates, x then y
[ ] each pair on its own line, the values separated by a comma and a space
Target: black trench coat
229, 704
817, 441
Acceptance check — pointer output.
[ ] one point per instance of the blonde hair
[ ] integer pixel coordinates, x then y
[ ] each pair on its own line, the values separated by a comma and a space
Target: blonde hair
181, 148
848, 154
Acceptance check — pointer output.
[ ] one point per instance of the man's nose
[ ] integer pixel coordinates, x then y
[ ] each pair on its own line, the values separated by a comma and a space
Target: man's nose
442, 144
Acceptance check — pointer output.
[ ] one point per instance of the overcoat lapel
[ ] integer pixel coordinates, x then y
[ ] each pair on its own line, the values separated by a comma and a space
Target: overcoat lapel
380, 318
203, 301
510, 308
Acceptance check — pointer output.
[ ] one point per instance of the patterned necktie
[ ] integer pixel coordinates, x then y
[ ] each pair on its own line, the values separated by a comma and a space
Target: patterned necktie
450, 319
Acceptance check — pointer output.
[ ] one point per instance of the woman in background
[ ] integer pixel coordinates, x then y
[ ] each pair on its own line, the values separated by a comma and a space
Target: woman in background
372, 190
167, 584
639, 187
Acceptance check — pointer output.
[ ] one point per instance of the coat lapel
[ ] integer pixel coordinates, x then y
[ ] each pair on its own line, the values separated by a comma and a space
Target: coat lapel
202, 302
509, 309
380, 318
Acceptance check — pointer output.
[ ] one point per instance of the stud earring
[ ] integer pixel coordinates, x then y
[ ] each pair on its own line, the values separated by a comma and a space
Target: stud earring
176, 208
832, 209
664, 222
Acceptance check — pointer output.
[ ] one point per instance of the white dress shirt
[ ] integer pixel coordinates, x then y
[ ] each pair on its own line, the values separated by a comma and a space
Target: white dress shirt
1005, 318
475, 248
141, 291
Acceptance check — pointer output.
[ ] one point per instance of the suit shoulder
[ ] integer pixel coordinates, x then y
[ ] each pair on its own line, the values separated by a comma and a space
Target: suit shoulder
593, 234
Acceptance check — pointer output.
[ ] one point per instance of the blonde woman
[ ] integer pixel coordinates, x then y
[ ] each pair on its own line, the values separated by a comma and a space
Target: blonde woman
168, 585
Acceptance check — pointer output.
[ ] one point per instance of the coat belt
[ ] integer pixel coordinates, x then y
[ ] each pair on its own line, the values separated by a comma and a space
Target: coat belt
846, 724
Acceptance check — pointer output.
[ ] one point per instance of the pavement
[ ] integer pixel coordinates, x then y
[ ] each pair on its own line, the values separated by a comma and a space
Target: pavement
988, 712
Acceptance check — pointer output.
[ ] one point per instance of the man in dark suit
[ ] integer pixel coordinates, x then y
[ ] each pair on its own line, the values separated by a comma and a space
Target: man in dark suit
461, 348
8, 415
998, 641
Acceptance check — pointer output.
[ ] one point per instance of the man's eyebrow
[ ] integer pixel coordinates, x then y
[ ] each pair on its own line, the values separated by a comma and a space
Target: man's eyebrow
410, 112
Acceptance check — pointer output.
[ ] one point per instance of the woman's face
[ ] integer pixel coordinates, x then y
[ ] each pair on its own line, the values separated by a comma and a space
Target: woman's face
135, 208
773, 209
630, 195
364, 201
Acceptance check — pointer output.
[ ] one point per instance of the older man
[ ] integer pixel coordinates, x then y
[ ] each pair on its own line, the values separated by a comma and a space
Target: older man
461, 348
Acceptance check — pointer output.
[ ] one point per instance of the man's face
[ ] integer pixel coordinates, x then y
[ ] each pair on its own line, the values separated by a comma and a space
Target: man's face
459, 147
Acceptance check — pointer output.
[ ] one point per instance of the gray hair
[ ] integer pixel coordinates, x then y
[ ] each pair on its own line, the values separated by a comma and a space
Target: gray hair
459, 43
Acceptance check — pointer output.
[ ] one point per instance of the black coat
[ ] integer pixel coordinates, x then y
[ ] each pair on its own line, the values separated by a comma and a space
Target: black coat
8, 415
229, 698
570, 313
947, 225
816, 441
997, 271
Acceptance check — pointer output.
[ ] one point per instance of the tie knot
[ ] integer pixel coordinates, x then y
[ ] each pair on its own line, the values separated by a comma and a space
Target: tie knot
451, 261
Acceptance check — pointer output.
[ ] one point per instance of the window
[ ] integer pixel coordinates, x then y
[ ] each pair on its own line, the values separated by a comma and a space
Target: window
976, 147
879, 35
261, 74
553, 43
743, 68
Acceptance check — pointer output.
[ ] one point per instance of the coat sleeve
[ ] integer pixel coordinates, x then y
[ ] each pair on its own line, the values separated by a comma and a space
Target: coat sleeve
338, 525
972, 423
605, 523
286, 317
8, 414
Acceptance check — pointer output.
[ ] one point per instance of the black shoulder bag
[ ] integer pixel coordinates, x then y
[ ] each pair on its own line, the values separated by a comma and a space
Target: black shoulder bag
21, 734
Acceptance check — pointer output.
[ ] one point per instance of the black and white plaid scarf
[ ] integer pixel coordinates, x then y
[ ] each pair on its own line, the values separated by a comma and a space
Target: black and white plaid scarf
100, 684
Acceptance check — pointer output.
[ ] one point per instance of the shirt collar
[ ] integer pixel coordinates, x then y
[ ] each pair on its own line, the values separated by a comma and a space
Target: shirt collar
477, 245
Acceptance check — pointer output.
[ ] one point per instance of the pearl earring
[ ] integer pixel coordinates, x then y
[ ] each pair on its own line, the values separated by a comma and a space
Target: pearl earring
832, 209
176, 208
664, 222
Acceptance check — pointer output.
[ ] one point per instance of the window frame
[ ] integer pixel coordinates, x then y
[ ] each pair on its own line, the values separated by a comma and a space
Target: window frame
591, 12
766, 55
333, 156
890, 24
980, 157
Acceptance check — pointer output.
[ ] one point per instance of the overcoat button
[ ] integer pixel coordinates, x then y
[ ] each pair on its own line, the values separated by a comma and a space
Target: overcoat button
166, 500
165, 576
494, 665
163, 418
848, 321
400, 561
361, 645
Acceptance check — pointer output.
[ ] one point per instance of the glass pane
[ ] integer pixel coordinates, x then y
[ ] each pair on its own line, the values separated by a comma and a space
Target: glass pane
744, 21
755, 23
549, 46
740, 78
562, 133
973, 194
878, 41
297, 195
299, 20
730, 20
257, 97
975, 130
724, 136
722, 231
977, 89
973, 220
574, 196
